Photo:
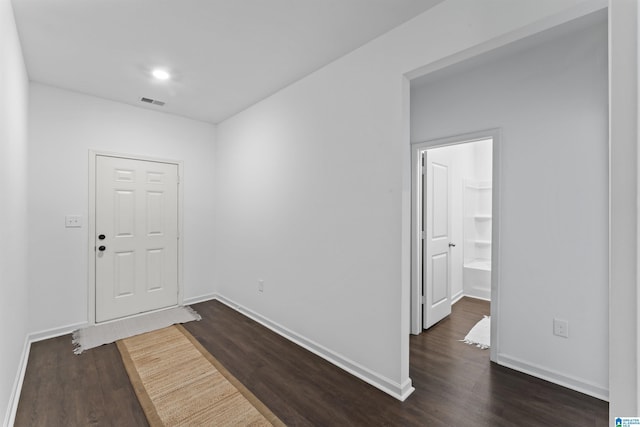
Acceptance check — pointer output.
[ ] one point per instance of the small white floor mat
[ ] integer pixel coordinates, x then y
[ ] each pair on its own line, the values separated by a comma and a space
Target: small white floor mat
107, 333
480, 334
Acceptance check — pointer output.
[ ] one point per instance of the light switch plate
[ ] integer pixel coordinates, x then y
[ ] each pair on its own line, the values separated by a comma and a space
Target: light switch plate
561, 328
73, 221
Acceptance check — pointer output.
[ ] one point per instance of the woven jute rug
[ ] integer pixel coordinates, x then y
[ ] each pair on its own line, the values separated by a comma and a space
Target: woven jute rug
179, 383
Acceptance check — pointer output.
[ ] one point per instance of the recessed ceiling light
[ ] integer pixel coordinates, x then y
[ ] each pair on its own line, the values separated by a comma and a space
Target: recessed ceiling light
160, 74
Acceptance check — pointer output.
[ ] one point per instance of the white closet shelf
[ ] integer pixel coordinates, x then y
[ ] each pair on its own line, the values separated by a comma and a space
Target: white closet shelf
479, 187
482, 217
479, 264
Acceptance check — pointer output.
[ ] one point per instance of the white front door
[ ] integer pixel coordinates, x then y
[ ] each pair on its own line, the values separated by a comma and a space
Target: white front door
136, 252
436, 263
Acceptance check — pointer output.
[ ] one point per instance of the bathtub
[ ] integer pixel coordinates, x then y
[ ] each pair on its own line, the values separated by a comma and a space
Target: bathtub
476, 278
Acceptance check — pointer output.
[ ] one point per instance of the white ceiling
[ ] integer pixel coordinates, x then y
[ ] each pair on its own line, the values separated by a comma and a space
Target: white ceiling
224, 55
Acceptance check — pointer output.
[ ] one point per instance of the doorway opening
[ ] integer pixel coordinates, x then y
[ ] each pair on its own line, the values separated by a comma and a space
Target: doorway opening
454, 227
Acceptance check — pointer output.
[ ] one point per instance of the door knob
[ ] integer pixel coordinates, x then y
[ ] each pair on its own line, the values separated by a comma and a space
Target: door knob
452, 245
102, 248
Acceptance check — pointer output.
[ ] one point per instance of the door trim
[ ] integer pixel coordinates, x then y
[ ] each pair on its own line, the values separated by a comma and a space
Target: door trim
416, 213
91, 220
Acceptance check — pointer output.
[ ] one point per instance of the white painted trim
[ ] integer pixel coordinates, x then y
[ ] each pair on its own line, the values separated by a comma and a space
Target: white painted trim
471, 295
568, 381
392, 388
461, 295
56, 332
496, 253
581, 9
24, 359
91, 279
416, 211
479, 294
14, 398
416, 238
457, 297
624, 215
201, 298
91, 233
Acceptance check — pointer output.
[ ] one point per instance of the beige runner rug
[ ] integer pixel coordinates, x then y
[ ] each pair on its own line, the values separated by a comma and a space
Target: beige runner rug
179, 383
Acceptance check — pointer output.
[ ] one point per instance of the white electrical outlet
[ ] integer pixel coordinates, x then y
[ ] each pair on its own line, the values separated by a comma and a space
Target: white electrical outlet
561, 328
260, 285
73, 221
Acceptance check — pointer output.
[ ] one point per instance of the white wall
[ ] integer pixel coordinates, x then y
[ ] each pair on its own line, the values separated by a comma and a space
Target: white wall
63, 127
551, 103
624, 339
314, 188
13, 208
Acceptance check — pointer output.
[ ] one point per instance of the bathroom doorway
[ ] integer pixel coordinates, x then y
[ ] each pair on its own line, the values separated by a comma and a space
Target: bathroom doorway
453, 199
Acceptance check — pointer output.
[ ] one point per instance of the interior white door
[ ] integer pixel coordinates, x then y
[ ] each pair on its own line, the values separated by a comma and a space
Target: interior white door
136, 236
436, 263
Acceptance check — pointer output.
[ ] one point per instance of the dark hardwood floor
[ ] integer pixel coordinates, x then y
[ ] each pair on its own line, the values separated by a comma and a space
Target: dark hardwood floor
455, 383
64, 389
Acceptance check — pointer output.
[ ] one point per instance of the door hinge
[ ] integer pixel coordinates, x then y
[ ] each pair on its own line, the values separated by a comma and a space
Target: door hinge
424, 299
423, 235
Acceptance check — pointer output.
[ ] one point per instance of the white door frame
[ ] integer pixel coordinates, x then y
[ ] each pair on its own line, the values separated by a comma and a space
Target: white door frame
416, 213
91, 290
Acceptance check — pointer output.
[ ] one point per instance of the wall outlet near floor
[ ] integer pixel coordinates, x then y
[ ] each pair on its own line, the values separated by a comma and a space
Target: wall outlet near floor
260, 285
561, 328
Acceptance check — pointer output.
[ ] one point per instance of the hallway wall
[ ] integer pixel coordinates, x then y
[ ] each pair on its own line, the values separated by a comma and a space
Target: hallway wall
313, 187
63, 127
550, 101
14, 87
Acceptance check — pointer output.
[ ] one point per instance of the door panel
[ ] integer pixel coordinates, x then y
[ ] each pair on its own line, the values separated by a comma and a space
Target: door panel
124, 280
440, 278
137, 212
436, 264
154, 269
440, 200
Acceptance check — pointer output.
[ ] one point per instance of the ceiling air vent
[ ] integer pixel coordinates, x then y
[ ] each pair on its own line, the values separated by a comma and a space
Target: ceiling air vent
152, 101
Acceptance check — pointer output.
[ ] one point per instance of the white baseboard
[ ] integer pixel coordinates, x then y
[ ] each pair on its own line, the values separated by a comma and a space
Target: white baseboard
201, 298
478, 293
461, 295
555, 377
22, 369
457, 297
55, 332
12, 408
399, 391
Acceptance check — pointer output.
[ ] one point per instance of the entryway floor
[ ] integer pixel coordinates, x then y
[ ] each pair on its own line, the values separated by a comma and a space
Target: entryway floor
455, 383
